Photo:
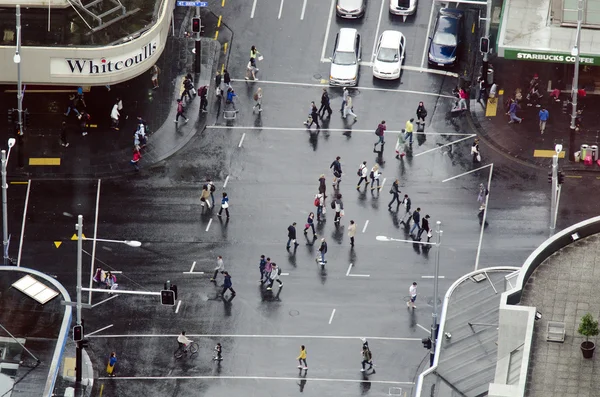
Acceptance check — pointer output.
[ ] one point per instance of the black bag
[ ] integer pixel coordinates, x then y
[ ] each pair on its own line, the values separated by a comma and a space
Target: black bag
359, 172
212, 188
333, 205
378, 132
372, 175
337, 174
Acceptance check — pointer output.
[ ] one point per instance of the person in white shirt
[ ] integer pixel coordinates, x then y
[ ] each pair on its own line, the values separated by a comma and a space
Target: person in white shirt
114, 117
362, 173
220, 268
183, 340
375, 177
413, 295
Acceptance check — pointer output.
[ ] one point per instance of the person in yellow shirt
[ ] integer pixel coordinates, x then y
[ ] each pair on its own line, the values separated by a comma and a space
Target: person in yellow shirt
302, 358
409, 131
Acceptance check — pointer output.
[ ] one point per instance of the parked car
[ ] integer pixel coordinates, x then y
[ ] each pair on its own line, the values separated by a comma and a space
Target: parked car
443, 46
351, 9
345, 59
403, 7
389, 54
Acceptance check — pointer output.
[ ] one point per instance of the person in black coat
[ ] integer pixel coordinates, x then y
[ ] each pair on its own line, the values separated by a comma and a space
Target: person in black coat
292, 235
424, 228
421, 113
325, 104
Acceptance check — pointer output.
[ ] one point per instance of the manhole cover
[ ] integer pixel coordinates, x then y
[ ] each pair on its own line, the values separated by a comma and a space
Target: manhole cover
317, 76
294, 313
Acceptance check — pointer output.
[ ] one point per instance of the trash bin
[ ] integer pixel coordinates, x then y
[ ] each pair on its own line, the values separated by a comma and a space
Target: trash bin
584, 151
490, 74
594, 150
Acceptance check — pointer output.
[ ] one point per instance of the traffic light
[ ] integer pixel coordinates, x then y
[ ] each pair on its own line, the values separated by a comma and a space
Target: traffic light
561, 177
426, 343
78, 333
484, 45
550, 177
26, 118
196, 26
84, 343
167, 297
11, 117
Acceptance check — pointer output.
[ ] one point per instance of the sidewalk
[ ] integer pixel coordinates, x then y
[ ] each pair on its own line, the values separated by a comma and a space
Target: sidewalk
105, 152
521, 141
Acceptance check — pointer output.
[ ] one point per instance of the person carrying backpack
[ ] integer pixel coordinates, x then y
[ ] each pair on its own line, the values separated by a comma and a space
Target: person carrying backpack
203, 92
380, 131
275, 273
362, 173
258, 99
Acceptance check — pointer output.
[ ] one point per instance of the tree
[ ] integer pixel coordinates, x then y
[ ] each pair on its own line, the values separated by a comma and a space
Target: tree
588, 327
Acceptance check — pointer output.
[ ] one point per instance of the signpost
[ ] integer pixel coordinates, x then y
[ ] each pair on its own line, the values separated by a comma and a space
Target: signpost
192, 3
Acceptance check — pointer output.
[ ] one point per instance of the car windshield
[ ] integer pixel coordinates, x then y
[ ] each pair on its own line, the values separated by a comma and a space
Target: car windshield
344, 58
387, 55
444, 39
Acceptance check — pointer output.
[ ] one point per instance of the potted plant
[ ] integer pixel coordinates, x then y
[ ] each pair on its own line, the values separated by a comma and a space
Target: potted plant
588, 327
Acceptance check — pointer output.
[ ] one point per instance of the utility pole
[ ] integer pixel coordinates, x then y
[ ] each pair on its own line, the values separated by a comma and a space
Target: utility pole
434, 324
17, 60
575, 52
79, 347
198, 44
555, 188
488, 22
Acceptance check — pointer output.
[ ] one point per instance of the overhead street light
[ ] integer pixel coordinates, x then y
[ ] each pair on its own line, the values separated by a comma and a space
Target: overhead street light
131, 243
5, 236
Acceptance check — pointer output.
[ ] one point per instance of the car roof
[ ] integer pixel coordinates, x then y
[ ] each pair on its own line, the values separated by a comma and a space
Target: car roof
452, 12
448, 19
346, 39
391, 38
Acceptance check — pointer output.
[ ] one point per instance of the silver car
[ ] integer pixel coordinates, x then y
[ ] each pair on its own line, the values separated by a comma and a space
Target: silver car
345, 59
403, 7
351, 9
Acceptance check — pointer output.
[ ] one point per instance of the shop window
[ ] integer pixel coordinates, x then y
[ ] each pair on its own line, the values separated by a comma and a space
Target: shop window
591, 12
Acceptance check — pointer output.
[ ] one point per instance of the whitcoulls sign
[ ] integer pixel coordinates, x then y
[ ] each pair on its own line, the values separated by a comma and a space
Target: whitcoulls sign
105, 65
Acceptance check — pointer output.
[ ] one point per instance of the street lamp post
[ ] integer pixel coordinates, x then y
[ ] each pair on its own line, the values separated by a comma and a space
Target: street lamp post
5, 238
576, 52
17, 60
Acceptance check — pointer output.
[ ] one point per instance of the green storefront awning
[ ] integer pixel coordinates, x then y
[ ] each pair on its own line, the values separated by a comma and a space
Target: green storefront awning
553, 57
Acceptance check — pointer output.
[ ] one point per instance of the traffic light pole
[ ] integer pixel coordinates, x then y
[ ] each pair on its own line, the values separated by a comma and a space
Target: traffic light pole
488, 22
554, 194
198, 45
434, 323
78, 349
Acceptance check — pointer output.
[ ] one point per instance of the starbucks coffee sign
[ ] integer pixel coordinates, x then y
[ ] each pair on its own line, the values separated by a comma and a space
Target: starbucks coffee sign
550, 57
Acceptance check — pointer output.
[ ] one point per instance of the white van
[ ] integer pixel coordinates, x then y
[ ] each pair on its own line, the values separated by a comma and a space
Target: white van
345, 59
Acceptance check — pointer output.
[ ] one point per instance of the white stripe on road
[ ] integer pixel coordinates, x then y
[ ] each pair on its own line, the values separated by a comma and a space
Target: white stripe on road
303, 9
280, 9
366, 224
104, 301
327, 29
382, 184
208, 226
433, 276
193, 266
383, 2
349, 268
192, 272
99, 330
334, 337
239, 127
427, 70
285, 274
23, 224
359, 275
351, 88
95, 241
178, 305
225, 183
242, 140
253, 9
466, 173
447, 144
278, 378
331, 318
424, 329
487, 198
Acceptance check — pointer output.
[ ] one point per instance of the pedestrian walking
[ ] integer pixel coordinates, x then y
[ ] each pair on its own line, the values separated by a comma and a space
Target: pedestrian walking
230, 97
345, 95
322, 251
140, 133
352, 232
400, 145
336, 166
412, 291
407, 203
84, 119
254, 53
204, 197
374, 175
136, 159
219, 350
268, 270
258, 95
251, 70
380, 131
409, 128
481, 197
362, 172
512, 112
154, 72
261, 268
544, 116
63, 134
416, 217
421, 113
110, 367
72, 106
227, 284
325, 104
319, 203
462, 102
180, 111
349, 109
302, 358
226, 78
218, 86
493, 91
187, 87
203, 93
114, 117
338, 206
424, 228
395, 191
291, 236
191, 88
211, 188
219, 269
310, 224
313, 117
367, 358
274, 276
224, 205
482, 90
322, 189
475, 151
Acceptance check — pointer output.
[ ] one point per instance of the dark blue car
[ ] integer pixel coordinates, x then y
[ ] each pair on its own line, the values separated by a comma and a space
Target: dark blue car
443, 47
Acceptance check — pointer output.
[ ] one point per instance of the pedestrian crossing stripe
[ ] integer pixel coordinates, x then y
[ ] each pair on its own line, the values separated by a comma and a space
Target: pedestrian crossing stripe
44, 161
74, 237
57, 243
548, 153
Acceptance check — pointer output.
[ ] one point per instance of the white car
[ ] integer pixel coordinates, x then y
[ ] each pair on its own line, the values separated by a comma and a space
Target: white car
403, 7
345, 59
389, 55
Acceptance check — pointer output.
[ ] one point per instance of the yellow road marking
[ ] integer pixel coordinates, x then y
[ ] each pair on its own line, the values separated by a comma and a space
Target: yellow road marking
216, 35
225, 48
19, 183
74, 236
223, 3
492, 107
574, 176
219, 21
44, 161
222, 68
57, 243
547, 153
473, 28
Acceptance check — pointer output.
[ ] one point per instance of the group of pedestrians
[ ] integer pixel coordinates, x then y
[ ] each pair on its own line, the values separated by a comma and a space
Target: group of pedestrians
227, 283
269, 273
207, 193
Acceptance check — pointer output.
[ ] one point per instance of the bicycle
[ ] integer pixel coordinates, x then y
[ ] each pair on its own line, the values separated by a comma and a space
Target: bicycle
192, 348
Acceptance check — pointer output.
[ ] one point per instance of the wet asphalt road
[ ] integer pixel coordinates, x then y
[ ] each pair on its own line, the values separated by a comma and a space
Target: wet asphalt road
271, 164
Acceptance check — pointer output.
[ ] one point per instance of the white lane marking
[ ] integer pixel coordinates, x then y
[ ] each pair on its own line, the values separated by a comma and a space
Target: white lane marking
349, 268
331, 317
383, 2
23, 223
433, 276
355, 275
351, 88
466, 173
178, 305
253, 9
192, 272
278, 378
193, 266
382, 183
94, 243
68, 214
427, 70
284, 274
99, 330
335, 337
104, 301
365, 227
424, 329
239, 127
327, 29
303, 9
427, 35
225, 183
116, 271
487, 198
242, 140
280, 9
447, 144
208, 226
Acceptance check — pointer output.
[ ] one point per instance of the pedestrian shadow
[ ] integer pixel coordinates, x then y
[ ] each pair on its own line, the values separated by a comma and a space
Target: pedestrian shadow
352, 256
338, 233
223, 224
227, 305
395, 220
258, 120
313, 139
292, 258
379, 159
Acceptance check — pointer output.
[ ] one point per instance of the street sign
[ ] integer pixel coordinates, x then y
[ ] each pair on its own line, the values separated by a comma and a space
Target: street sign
192, 4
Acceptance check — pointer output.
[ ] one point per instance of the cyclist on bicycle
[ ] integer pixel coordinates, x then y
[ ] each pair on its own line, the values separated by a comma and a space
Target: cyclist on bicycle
183, 341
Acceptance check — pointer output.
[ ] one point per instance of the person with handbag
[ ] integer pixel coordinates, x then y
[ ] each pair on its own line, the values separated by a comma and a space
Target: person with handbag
204, 197
380, 131
475, 151
310, 224
421, 113
322, 251
338, 206
224, 205
110, 367
292, 236
211, 188
322, 190
336, 166
424, 228
362, 173
320, 204
375, 174
395, 190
